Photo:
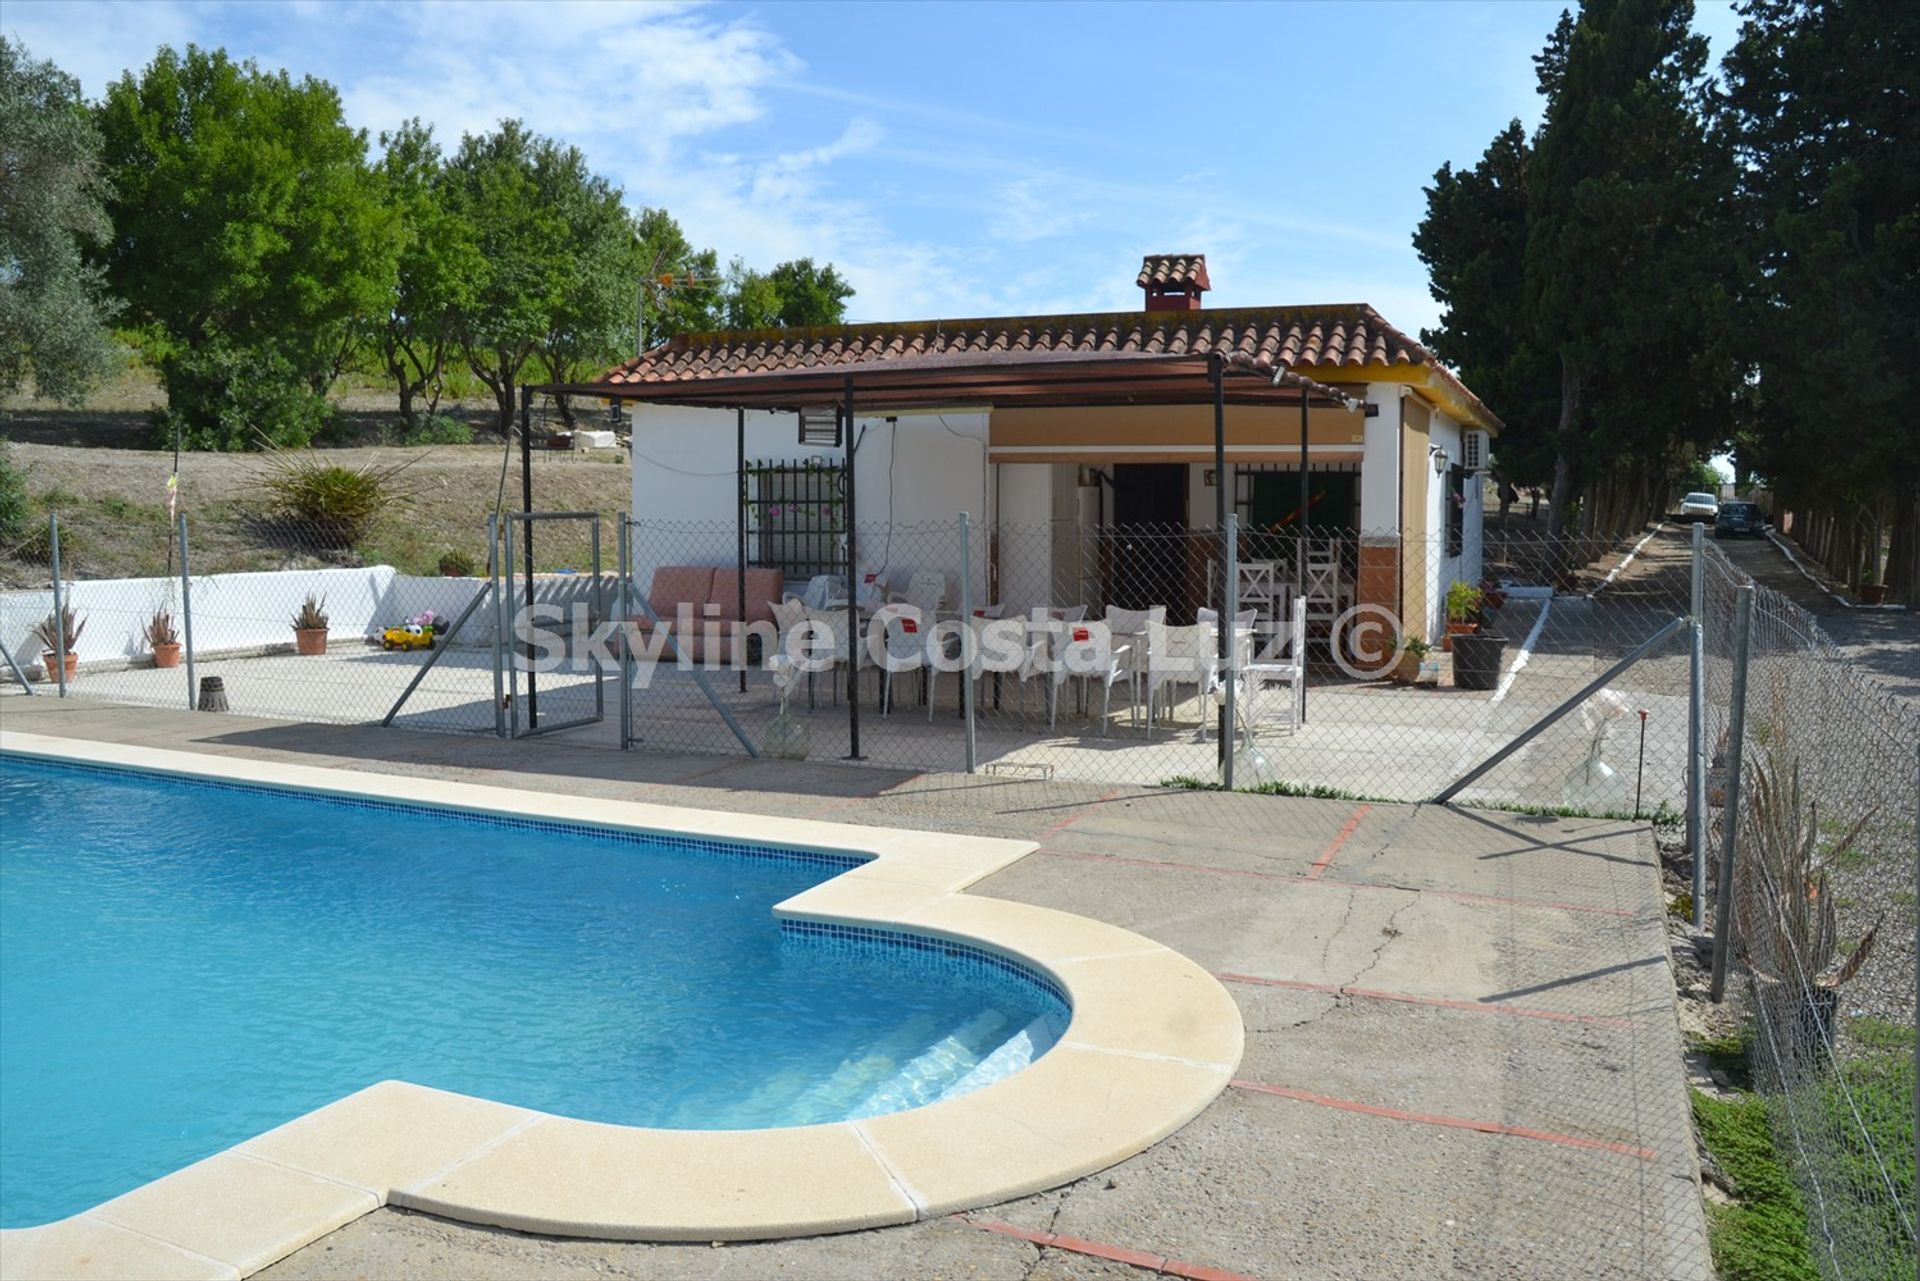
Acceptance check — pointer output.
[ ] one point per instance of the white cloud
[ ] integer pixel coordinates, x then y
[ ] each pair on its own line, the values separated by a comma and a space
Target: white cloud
1030, 209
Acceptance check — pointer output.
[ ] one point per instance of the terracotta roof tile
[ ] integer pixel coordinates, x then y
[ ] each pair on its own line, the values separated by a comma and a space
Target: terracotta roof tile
1173, 269
1302, 338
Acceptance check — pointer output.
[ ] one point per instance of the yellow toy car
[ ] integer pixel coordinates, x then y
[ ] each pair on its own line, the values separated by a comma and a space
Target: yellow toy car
412, 636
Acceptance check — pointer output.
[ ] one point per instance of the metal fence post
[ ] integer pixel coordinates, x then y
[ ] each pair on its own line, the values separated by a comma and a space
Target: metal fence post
1697, 730
59, 604
624, 550
966, 637
1229, 609
506, 622
186, 614
597, 613
1730, 813
493, 586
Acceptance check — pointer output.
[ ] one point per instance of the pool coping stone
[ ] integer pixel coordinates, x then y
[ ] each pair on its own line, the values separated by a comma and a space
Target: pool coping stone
1153, 1039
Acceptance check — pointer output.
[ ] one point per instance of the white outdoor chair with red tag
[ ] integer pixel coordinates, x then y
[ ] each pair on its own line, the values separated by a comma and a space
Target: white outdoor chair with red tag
907, 640
828, 631
1086, 652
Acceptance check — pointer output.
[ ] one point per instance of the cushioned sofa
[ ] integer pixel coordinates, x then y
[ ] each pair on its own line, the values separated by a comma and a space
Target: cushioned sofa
699, 586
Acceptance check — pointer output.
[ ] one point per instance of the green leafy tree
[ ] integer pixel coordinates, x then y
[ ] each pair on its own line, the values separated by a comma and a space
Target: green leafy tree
1626, 267
793, 295
435, 273
682, 288
1820, 108
593, 312
245, 215
810, 295
1473, 241
495, 184
53, 306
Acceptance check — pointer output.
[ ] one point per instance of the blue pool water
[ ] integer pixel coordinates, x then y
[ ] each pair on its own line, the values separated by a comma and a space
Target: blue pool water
183, 966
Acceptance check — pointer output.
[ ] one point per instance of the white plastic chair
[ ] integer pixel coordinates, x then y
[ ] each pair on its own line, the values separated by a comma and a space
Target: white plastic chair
996, 610
1000, 647
1085, 652
927, 591
1067, 613
906, 629
1178, 656
1271, 668
829, 628
1131, 626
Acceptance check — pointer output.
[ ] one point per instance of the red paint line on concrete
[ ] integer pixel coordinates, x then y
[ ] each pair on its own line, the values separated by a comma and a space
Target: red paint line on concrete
1297, 879
1114, 1253
1080, 813
1441, 1002
1334, 848
1453, 1122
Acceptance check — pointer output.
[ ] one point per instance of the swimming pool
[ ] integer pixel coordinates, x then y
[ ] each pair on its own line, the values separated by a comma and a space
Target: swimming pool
186, 963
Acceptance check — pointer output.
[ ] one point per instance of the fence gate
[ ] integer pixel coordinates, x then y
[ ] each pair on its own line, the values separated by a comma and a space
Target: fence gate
548, 674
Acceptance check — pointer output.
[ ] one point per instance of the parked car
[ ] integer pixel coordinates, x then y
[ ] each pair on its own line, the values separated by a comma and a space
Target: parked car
1736, 519
1699, 507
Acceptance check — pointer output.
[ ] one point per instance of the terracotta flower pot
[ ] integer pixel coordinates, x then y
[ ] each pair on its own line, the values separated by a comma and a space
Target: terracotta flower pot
47, 661
309, 641
1457, 629
166, 654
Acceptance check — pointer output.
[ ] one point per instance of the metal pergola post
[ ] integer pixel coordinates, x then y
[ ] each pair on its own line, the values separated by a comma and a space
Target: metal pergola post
1223, 626
1300, 567
526, 506
740, 526
853, 584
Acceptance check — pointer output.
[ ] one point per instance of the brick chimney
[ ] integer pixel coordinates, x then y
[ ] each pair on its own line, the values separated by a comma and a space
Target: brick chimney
1174, 282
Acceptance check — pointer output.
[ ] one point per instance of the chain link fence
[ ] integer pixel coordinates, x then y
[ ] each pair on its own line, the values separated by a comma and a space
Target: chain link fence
1502, 667
1821, 771
1371, 665
290, 624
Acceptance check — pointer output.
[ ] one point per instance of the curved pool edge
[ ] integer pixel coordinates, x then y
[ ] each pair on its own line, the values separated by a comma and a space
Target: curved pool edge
1153, 1039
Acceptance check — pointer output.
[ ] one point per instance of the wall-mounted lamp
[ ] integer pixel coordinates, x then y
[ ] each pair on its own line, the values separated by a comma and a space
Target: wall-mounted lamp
1439, 458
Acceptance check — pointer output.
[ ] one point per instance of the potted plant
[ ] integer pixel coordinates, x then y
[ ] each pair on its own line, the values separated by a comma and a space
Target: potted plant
163, 640
1413, 652
310, 627
456, 564
1491, 594
1786, 916
1872, 590
1463, 612
61, 630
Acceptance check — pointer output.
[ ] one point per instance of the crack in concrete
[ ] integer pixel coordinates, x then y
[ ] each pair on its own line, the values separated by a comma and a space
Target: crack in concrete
1388, 933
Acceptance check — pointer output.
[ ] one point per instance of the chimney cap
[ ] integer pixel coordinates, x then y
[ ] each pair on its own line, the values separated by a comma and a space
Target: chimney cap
1186, 273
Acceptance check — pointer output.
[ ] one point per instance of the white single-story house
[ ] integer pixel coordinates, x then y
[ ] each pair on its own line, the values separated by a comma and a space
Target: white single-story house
1047, 428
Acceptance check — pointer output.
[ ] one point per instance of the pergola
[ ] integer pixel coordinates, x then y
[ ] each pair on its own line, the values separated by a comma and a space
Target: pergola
1001, 378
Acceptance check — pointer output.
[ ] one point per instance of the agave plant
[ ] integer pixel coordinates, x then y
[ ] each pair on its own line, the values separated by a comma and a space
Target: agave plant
312, 615
160, 629
60, 631
1786, 917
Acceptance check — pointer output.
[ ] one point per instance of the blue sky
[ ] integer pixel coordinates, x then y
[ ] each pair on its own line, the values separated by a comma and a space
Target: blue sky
954, 160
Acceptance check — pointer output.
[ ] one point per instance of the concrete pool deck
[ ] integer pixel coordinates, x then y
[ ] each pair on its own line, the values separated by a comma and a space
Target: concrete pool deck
1461, 1056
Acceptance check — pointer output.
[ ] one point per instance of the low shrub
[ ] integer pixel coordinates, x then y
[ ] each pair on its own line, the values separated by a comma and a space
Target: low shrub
14, 512
437, 430
327, 504
222, 396
457, 564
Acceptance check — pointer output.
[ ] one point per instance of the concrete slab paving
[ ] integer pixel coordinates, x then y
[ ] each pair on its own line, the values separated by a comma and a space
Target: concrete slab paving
1401, 948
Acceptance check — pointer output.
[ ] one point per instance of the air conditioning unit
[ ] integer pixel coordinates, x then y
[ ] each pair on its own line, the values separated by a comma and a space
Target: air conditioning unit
1473, 450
